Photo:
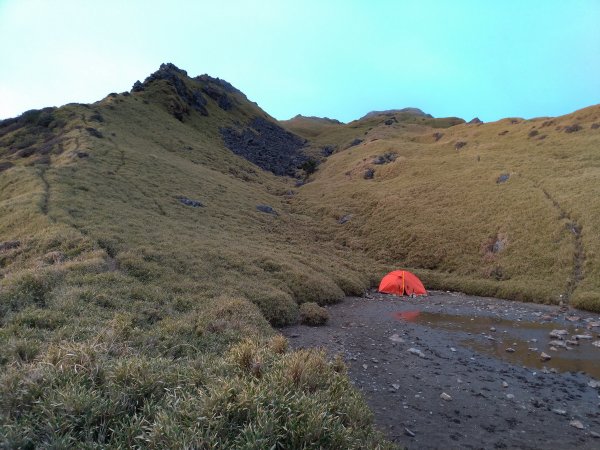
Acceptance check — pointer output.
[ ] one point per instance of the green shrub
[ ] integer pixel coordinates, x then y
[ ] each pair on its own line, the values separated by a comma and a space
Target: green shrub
313, 314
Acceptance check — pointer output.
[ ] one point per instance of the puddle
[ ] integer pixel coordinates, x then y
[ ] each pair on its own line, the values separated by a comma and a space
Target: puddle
520, 336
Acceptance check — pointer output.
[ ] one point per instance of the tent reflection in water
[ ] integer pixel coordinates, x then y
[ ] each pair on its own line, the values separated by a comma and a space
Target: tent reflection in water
401, 282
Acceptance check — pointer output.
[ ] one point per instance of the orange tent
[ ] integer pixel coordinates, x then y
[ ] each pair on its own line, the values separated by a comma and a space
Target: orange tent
401, 282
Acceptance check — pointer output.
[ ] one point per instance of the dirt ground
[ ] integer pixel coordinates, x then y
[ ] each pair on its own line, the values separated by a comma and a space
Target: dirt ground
489, 401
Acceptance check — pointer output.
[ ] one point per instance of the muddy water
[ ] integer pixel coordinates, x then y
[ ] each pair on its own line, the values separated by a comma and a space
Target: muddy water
493, 336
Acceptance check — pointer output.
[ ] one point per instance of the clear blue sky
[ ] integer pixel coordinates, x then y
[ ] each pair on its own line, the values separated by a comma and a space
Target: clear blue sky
340, 59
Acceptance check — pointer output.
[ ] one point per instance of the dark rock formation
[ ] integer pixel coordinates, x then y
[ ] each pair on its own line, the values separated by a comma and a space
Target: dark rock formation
475, 121
573, 128
267, 145
386, 158
266, 209
173, 76
354, 143
189, 202
595, 126
137, 86
369, 174
327, 150
94, 132
5, 166
459, 145
503, 178
344, 219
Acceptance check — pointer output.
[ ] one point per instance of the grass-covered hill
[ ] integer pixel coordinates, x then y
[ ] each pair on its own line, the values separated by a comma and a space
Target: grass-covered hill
142, 262
149, 241
508, 209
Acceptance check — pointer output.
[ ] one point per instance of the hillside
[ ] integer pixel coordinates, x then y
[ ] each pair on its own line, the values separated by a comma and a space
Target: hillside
136, 249
150, 241
506, 209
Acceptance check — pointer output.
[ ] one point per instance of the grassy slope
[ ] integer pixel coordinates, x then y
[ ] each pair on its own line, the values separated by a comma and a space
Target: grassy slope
124, 312
439, 210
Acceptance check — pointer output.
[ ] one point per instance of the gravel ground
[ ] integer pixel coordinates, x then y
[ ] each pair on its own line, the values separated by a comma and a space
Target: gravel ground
452, 396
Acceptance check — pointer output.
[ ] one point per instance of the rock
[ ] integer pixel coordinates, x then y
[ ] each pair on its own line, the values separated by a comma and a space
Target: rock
593, 433
558, 343
593, 324
344, 219
573, 318
9, 245
94, 132
354, 143
445, 397
545, 356
459, 145
582, 336
576, 424
596, 343
82, 154
573, 128
395, 338
5, 166
502, 178
416, 351
452, 349
189, 202
554, 349
504, 384
137, 87
475, 121
560, 412
571, 342
558, 334
594, 384
510, 396
510, 350
492, 328
266, 209
546, 317
364, 366
395, 386
408, 432
327, 150
369, 174
267, 145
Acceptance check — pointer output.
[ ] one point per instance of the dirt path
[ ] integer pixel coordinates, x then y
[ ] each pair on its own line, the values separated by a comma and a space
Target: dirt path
495, 403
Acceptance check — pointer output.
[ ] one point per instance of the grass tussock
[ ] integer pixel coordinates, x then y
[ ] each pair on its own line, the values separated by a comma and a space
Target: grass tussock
313, 314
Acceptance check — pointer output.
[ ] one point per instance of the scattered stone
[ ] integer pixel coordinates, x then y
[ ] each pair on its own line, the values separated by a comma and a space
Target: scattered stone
560, 412
504, 384
571, 342
573, 128
573, 318
593, 433
369, 174
596, 343
452, 349
386, 158
408, 432
189, 202
445, 397
502, 178
266, 209
558, 343
510, 396
9, 245
364, 366
395, 386
546, 317
396, 338
580, 337
545, 356
459, 145
533, 349
593, 324
510, 350
354, 143
492, 329
344, 219
558, 334
554, 349
416, 351
594, 384
576, 424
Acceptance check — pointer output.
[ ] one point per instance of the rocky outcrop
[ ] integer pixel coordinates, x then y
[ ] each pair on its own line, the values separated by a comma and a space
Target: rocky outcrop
267, 145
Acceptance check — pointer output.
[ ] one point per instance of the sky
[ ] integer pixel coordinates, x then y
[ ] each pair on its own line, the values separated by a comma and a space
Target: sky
337, 58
